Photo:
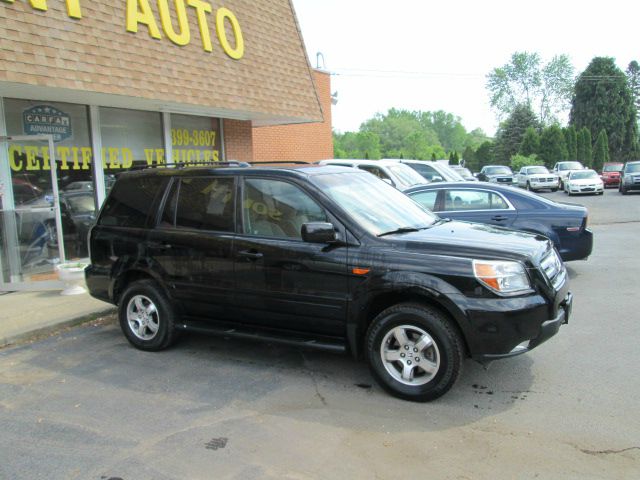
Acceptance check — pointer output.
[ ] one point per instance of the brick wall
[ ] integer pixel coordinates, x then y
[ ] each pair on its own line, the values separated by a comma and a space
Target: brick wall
238, 140
308, 142
95, 54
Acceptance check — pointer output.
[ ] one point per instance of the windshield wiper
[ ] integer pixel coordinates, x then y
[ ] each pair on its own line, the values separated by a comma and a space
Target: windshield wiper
401, 230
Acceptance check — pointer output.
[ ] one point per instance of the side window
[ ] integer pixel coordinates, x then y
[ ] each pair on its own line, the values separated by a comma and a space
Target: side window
378, 172
498, 203
427, 171
467, 200
204, 204
426, 199
273, 208
131, 200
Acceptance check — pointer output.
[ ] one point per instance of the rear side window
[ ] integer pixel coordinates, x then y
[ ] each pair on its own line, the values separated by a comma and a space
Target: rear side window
131, 201
201, 204
426, 199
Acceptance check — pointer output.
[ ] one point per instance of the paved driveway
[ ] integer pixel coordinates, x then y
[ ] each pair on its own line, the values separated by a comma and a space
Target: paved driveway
85, 405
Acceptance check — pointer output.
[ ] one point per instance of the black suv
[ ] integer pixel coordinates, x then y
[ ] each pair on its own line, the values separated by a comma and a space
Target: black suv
322, 257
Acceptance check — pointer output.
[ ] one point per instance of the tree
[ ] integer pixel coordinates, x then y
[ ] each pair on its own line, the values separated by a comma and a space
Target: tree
469, 157
519, 161
485, 155
588, 148
357, 145
580, 147
553, 147
511, 133
570, 137
530, 143
524, 80
633, 77
603, 101
601, 151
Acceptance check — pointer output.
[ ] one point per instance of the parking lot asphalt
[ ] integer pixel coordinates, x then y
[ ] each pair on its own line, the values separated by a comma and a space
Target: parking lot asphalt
85, 405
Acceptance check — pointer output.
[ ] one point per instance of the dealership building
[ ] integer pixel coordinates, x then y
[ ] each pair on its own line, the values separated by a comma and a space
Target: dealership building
89, 89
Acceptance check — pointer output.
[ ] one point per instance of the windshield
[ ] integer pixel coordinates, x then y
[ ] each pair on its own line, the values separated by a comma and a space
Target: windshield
450, 174
374, 205
406, 175
534, 170
570, 166
612, 168
632, 168
584, 175
81, 204
498, 171
463, 172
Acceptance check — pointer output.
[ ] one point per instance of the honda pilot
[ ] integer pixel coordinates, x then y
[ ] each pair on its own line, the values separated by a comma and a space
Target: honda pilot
321, 257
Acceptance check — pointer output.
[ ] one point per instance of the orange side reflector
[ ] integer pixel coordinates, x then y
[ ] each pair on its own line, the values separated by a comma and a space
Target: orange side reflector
361, 271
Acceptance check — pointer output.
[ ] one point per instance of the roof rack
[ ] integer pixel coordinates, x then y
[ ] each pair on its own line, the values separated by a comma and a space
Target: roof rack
180, 165
281, 162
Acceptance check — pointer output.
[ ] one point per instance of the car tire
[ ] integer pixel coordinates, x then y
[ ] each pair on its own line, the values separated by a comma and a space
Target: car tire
147, 317
623, 190
528, 186
406, 338
554, 189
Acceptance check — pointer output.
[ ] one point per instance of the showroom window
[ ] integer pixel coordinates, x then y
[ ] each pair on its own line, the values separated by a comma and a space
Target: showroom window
130, 139
195, 140
30, 166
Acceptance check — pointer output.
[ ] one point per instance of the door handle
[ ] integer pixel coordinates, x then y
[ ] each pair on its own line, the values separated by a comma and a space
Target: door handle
499, 218
251, 255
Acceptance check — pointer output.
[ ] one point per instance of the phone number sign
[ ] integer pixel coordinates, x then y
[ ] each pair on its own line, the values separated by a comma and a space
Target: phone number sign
47, 120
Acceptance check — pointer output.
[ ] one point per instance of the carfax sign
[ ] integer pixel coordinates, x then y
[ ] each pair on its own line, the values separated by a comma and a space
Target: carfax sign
47, 120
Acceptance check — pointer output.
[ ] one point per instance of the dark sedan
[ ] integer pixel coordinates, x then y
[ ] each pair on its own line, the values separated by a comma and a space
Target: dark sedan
564, 224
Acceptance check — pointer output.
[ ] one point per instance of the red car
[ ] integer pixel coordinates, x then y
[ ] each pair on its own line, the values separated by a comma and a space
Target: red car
611, 174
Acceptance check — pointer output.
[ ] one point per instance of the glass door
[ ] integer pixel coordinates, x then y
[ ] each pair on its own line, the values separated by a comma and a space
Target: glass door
30, 221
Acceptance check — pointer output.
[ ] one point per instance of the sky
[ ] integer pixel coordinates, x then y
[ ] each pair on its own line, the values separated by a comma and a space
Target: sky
426, 55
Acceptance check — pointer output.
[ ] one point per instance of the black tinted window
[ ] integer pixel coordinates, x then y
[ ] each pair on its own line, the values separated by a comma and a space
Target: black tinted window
131, 201
205, 204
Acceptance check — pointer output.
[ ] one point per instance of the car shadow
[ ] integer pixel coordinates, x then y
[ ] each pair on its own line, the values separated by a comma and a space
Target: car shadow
202, 374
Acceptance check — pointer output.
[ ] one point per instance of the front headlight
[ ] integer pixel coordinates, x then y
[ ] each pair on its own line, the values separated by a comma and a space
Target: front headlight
502, 277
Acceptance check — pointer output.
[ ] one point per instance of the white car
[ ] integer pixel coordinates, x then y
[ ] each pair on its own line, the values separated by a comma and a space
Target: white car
583, 181
391, 171
562, 169
433, 171
537, 178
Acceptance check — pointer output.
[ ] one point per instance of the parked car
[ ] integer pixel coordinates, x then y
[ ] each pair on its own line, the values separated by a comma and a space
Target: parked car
497, 174
78, 213
321, 257
537, 178
583, 181
79, 185
390, 171
433, 171
493, 204
465, 173
630, 177
611, 174
562, 170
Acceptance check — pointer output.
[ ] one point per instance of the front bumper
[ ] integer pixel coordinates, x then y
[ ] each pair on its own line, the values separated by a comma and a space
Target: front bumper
547, 330
611, 181
585, 190
536, 185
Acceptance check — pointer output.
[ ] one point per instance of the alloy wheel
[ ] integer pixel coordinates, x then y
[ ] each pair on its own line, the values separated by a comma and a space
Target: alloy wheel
410, 355
142, 317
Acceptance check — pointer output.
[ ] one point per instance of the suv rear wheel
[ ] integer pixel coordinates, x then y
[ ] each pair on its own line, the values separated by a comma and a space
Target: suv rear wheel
414, 352
146, 316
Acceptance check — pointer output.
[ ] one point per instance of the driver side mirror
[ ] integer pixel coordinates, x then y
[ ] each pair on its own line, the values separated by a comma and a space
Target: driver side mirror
319, 232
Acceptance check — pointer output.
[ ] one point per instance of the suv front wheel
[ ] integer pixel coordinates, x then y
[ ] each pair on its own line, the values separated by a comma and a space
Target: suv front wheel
146, 316
414, 352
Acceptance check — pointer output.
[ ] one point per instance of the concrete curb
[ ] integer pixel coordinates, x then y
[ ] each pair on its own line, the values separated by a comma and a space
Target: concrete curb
49, 329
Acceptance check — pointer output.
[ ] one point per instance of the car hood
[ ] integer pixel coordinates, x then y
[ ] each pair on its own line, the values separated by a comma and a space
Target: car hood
585, 181
477, 240
537, 176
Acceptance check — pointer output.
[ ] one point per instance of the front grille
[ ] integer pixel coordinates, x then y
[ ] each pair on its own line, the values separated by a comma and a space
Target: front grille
553, 268
505, 179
